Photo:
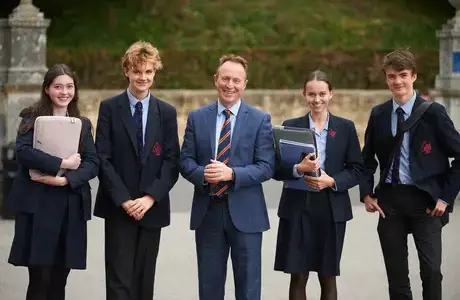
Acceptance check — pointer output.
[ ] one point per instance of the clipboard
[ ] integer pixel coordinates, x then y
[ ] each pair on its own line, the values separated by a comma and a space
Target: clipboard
58, 136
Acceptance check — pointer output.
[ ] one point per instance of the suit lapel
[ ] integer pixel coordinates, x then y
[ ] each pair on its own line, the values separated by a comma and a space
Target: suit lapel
153, 126
127, 119
417, 103
211, 123
304, 122
331, 140
385, 119
239, 126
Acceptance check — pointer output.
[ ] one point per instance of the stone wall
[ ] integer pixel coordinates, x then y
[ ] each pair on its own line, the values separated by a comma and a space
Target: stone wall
281, 104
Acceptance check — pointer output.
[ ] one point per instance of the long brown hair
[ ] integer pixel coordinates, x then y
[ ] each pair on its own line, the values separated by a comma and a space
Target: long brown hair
44, 106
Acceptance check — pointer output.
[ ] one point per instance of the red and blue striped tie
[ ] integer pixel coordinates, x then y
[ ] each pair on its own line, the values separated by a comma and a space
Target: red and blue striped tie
223, 153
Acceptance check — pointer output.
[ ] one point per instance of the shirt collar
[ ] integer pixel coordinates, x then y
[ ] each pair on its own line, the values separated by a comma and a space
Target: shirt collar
312, 124
133, 100
234, 109
407, 107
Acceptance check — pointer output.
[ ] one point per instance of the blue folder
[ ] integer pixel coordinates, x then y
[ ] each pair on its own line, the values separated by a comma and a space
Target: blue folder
292, 153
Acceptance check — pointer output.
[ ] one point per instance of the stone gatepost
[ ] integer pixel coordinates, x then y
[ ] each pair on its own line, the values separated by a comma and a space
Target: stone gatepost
4, 52
22, 67
448, 79
24, 58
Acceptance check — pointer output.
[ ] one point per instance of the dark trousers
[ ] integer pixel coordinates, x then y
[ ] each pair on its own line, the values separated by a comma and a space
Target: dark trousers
130, 258
405, 212
47, 283
215, 237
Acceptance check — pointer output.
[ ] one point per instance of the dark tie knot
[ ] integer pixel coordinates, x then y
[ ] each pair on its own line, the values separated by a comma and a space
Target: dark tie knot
227, 113
400, 111
138, 105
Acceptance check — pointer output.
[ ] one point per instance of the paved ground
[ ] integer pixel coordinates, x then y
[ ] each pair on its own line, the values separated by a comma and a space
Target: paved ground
363, 274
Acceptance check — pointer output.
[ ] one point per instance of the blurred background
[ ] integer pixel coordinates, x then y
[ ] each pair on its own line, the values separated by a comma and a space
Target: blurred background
282, 39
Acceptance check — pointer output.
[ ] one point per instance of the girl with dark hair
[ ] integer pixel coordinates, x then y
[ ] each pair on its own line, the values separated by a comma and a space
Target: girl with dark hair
51, 211
312, 223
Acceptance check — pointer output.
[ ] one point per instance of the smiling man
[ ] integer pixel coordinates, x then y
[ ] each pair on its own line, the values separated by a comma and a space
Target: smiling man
227, 153
138, 146
418, 185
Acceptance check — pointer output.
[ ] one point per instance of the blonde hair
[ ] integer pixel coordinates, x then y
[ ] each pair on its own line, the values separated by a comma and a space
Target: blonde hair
234, 58
140, 53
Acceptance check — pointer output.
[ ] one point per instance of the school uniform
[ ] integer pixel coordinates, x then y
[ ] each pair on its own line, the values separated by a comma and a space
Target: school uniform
415, 173
312, 225
138, 145
50, 221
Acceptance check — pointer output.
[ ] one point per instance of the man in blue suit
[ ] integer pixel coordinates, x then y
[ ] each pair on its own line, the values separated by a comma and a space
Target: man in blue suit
227, 153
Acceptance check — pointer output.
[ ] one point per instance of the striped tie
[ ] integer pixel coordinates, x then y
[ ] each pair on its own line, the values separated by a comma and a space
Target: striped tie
223, 153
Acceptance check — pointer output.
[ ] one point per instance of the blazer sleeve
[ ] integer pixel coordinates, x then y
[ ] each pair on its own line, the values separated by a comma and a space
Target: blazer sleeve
354, 165
35, 159
170, 167
189, 168
263, 166
110, 180
366, 186
89, 165
283, 172
450, 139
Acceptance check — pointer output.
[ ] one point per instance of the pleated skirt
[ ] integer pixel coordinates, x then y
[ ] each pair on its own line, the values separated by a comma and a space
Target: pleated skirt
310, 240
55, 235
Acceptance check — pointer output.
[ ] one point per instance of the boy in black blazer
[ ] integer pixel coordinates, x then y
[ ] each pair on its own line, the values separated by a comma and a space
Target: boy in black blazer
138, 146
418, 185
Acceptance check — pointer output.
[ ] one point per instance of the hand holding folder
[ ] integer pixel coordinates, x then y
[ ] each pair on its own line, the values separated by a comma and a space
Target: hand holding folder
292, 153
292, 146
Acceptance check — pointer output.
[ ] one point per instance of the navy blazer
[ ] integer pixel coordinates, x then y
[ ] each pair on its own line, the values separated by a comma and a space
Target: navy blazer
25, 194
251, 157
344, 163
122, 177
433, 140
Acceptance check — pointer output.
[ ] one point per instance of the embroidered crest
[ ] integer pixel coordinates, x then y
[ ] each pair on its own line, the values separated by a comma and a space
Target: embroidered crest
332, 132
156, 149
426, 147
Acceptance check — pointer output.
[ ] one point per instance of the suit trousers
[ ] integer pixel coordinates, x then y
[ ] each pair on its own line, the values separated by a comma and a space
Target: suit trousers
405, 212
47, 283
216, 236
130, 255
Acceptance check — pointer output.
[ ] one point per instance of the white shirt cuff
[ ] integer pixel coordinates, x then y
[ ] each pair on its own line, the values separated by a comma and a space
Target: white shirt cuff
294, 172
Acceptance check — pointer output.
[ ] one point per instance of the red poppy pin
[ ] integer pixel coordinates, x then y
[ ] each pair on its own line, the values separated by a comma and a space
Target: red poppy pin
156, 149
332, 132
426, 147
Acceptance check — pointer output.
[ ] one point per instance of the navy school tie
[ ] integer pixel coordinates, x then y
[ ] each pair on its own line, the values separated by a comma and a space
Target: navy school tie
137, 117
223, 153
397, 157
